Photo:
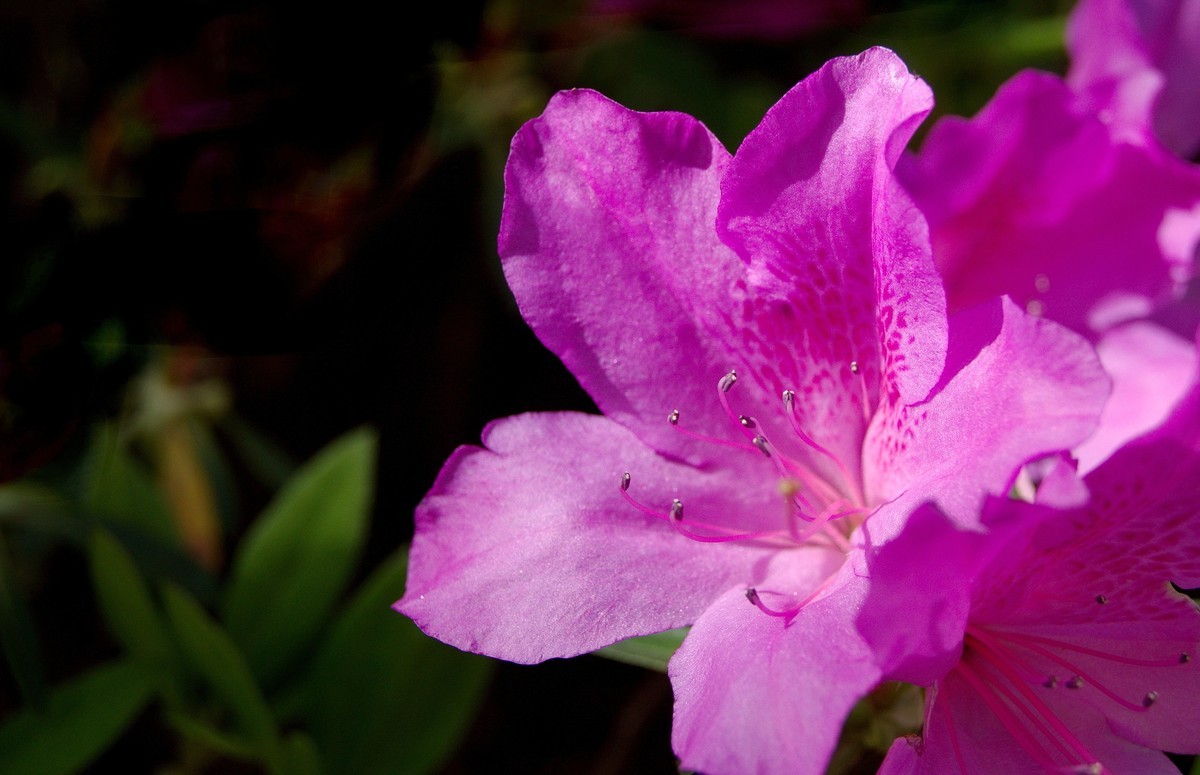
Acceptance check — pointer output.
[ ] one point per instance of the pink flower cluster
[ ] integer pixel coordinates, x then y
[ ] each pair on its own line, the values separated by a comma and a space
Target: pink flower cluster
827, 368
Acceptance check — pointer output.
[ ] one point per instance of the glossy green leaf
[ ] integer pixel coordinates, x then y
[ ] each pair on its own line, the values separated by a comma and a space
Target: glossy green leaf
117, 487
128, 608
382, 696
82, 718
218, 662
652, 651
296, 559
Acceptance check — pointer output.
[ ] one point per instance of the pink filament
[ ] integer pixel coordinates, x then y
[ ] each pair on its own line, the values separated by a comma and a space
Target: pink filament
997, 659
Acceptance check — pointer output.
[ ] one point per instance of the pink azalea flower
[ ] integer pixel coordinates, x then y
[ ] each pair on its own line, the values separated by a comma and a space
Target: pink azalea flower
766, 337
1136, 61
1036, 198
1056, 643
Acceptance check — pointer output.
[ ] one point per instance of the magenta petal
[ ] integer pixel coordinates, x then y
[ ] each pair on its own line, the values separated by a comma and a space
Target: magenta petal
927, 571
1016, 386
526, 550
1137, 60
838, 257
965, 735
1018, 196
756, 694
608, 244
1151, 369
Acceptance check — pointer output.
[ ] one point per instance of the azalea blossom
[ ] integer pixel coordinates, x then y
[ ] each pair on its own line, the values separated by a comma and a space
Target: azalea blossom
766, 337
1136, 62
1057, 642
1037, 198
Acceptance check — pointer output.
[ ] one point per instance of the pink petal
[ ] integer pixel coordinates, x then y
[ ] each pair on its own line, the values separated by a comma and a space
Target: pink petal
1151, 369
1017, 388
1020, 195
965, 736
608, 245
526, 550
1137, 60
838, 257
756, 694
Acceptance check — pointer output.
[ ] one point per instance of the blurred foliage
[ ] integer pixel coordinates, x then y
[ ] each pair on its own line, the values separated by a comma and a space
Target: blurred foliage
261, 228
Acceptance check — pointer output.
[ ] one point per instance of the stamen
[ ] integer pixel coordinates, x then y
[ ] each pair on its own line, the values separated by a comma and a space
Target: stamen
752, 596
1080, 676
726, 383
1184, 658
853, 367
1101, 599
760, 442
789, 405
1149, 699
1037, 711
1050, 682
747, 422
1023, 639
673, 418
674, 517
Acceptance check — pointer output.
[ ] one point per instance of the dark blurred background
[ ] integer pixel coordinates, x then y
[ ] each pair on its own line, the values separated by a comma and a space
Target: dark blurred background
280, 221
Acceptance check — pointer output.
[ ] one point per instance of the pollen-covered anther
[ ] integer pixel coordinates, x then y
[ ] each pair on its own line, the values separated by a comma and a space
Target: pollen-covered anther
1050, 682
726, 383
853, 367
1076, 682
760, 442
677, 510
625, 482
1101, 599
747, 422
1149, 699
673, 417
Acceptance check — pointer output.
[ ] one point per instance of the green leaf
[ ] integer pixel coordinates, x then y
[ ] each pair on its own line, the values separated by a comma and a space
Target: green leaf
299, 756
295, 560
132, 616
216, 660
82, 718
652, 651
117, 487
383, 697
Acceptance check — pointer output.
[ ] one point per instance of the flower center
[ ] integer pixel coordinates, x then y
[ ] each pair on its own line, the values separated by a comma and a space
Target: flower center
822, 510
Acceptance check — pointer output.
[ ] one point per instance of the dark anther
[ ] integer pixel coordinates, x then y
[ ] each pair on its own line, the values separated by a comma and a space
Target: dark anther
1050, 682
1101, 599
1184, 658
853, 367
677, 510
625, 482
727, 381
1149, 699
752, 595
673, 417
747, 422
761, 443
1075, 682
